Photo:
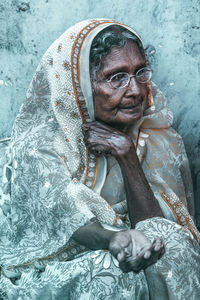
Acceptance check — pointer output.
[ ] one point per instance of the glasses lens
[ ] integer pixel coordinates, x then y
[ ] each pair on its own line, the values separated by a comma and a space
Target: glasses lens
119, 80
144, 75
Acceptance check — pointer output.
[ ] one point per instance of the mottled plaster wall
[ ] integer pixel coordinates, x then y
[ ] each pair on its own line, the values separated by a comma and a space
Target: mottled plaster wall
170, 27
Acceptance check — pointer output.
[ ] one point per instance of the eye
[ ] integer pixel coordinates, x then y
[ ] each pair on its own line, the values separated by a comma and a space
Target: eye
118, 80
118, 76
144, 75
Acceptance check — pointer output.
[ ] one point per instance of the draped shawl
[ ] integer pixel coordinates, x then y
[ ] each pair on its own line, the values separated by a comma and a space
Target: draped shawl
52, 183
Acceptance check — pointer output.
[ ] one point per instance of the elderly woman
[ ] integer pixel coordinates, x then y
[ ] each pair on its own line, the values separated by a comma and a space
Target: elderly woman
97, 188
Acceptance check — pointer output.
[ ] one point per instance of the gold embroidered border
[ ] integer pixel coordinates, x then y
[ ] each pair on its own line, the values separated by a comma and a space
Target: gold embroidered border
171, 207
43, 258
182, 215
75, 87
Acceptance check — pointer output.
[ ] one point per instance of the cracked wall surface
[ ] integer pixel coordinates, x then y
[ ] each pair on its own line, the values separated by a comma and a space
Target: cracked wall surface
170, 28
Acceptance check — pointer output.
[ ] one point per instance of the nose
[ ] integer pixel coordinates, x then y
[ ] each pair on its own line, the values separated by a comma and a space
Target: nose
133, 87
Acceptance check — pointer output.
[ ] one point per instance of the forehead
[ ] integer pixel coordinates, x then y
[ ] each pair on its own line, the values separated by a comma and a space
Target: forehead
127, 59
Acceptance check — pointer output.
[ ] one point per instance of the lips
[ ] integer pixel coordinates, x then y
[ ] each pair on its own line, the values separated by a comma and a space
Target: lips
129, 106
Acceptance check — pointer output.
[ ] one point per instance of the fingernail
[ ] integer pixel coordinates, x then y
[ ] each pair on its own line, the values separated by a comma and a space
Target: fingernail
147, 254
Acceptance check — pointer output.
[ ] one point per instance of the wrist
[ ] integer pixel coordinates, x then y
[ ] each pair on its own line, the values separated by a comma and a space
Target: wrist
108, 236
127, 154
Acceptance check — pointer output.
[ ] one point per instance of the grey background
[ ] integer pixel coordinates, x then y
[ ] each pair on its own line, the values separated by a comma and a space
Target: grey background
171, 28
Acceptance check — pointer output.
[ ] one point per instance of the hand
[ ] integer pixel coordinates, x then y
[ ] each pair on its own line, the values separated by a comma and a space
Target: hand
134, 251
102, 139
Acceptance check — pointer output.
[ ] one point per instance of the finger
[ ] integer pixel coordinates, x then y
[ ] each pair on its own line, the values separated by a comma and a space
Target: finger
93, 125
153, 258
99, 133
98, 148
128, 250
114, 248
100, 124
102, 127
135, 265
121, 256
157, 244
146, 258
99, 129
96, 136
147, 254
97, 143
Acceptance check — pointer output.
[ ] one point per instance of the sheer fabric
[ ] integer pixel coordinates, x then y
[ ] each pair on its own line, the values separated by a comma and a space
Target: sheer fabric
52, 185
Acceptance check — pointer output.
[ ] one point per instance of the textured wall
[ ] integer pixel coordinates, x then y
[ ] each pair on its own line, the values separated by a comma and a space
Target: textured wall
170, 27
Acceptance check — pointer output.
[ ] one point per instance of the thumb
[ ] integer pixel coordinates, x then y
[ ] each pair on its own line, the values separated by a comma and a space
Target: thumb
121, 256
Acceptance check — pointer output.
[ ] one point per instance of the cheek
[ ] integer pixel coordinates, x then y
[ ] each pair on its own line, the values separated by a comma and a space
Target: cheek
107, 98
144, 91
113, 99
105, 108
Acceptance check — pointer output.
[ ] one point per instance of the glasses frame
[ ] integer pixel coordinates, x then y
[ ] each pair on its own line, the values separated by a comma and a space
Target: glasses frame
130, 76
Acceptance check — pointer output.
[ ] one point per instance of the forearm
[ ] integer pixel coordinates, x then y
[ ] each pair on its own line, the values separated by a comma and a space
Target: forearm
93, 236
140, 198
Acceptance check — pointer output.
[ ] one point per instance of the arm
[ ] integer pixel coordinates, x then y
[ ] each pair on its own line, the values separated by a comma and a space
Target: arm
140, 198
93, 236
131, 248
103, 139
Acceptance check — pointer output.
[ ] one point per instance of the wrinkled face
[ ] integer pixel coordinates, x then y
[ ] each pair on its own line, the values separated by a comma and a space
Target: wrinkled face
120, 108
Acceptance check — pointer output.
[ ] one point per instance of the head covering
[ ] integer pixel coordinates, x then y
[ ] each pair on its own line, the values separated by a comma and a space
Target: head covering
52, 183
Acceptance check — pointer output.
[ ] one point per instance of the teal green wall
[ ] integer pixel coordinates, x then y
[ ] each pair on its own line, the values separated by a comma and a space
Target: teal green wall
171, 28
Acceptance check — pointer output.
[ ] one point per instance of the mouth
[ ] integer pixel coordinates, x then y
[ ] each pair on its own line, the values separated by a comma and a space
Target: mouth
130, 107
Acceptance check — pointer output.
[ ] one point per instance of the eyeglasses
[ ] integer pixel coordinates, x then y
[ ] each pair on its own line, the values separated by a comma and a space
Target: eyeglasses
122, 79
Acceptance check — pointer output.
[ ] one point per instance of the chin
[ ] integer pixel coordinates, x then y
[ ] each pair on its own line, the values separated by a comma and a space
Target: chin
129, 117
131, 120
125, 123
